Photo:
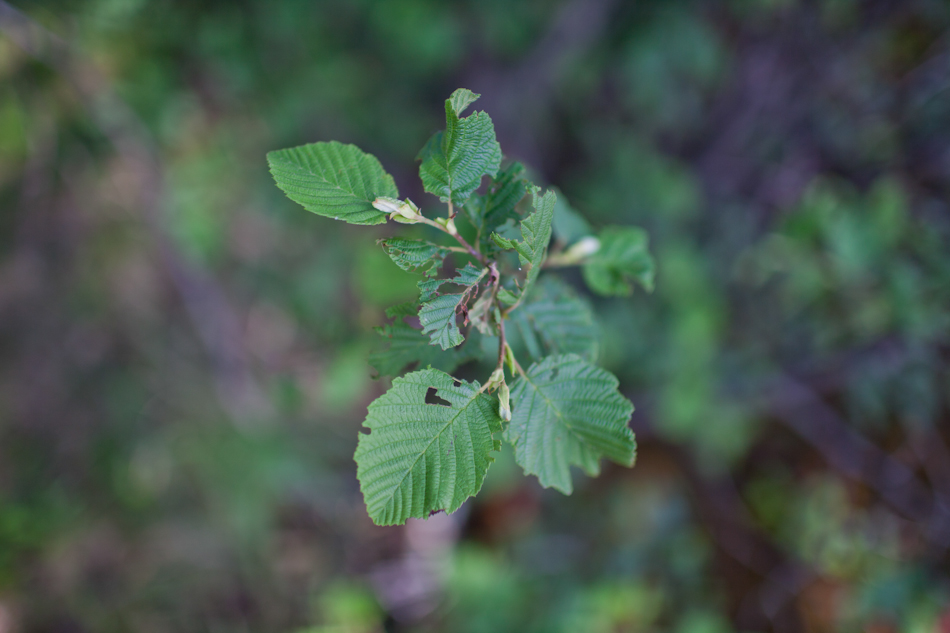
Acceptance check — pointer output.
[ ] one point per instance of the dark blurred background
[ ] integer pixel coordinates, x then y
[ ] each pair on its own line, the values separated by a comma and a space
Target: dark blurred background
183, 350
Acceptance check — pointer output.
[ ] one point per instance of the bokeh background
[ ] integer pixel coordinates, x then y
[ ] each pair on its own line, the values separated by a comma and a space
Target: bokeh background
183, 350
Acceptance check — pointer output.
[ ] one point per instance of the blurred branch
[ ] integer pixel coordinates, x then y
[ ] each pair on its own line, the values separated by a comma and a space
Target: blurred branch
215, 321
723, 511
847, 451
933, 455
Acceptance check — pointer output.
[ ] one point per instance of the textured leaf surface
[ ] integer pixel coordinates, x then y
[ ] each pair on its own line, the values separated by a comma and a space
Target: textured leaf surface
469, 275
437, 314
334, 180
568, 412
535, 235
415, 255
420, 458
429, 288
454, 161
410, 346
554, 320
624, 256
489, 211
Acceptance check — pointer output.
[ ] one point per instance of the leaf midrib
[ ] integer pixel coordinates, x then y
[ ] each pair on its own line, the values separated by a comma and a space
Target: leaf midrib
306, 170
551, 404
431, 441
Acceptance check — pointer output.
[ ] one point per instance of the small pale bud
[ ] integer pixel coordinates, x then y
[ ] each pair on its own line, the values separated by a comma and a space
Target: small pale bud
585, 247
497, 377
387, 205
504, 403
449, 225
400, 211
510, 358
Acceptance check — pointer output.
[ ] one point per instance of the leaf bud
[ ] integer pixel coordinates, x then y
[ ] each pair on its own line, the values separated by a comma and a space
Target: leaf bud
449, 225
585, 247
510, 359
497, 377
400, 211
504, 404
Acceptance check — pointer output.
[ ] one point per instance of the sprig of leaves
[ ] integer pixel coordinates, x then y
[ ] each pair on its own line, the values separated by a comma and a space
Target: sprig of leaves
431, 436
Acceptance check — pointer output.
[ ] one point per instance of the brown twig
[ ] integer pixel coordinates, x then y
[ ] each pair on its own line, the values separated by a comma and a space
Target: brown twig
458, 238
471, 251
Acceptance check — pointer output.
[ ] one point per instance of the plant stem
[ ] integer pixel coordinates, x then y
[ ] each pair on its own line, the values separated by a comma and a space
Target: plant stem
501, 344
458, 238
474, 253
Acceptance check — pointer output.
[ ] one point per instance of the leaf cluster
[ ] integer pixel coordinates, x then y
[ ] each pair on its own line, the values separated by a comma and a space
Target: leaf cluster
432, 435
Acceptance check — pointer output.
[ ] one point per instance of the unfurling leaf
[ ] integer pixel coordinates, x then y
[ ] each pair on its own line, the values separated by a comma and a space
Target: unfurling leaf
334, 180
402, 211
535, 236
568, 412
454, 161
489, 211
420, 458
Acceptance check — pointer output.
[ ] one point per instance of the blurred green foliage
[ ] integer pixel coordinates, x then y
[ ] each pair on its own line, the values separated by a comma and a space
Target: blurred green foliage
183, 365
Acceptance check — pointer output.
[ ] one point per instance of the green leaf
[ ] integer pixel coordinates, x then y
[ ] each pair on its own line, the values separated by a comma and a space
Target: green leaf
624, 256
507, 297
409, 346
421, 458
489, 211
554, 320
429, 288
535, 236
334, 180
438, 320
568, 412
469, 275
454, 161
415, 255
569, 226
437, 314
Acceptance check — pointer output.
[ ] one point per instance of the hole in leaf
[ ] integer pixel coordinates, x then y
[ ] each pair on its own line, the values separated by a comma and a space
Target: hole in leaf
456, 383
432, 398
554, 373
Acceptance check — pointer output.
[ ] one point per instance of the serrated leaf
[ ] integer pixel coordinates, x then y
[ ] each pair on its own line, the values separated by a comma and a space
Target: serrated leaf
333, 180
429, 288
409, 346
568, 412
489, 211
454, 161
555, 320
535, 236
469, 275
415, 255
437, 314
438, 320
421, 458
624, 256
